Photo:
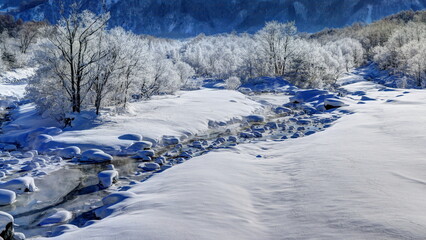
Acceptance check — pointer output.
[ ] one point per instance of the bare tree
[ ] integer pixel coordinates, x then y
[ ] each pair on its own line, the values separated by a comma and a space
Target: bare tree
74, 38
27, 34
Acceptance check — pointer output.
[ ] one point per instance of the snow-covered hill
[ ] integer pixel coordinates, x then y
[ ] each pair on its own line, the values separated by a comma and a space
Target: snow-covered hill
180, 18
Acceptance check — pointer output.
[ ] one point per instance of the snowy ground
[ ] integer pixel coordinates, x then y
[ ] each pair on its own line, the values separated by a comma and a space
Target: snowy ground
363, 178
182, 115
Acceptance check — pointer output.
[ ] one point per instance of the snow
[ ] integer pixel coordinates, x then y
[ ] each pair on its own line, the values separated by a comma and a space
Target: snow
107, 178
255, 118
20, 185
174, 116
334, 103
132, 137
145, 155
69, 152
95, 155
5, 218
7, 197
138, 146
362, 178
59, 230
149, 166
59, 217
13, 83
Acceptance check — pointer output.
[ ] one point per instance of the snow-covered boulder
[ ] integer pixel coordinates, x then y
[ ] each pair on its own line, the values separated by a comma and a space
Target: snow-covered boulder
257, 134
138, 146
107, 178
255, 118
307, 96
197, 144
283, 110
145, 155
30, 166
186, 154
246, 135
304, 122
310, 110
131, 137
117, 197
232, 139
18, 236
20, 185
170, 140
40, 140
69, 152
95, 155
7, 197
6, 225
258, 128
59, 217
271, 125
309, 132
160, 160
52, 131
59, 230
297, 135
110, 200
28, 154
149, 166
331, 103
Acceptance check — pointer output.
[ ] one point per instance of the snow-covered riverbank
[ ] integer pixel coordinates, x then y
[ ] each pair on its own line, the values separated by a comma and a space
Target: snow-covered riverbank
182, 115
362, 178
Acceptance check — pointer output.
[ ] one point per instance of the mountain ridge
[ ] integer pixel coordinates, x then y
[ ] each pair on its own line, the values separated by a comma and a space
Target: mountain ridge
186, 18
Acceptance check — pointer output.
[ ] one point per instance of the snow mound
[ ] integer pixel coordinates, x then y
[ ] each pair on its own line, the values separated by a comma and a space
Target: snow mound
95, 155
107, 178
149, 166
5, 220
111, 200
145, 155
331, 103
59, 230
7, 197
59, 217
255, 118
266, 84
170, 140
117, 197
131, 137
20, 185
137, 146
307, 95
69, 152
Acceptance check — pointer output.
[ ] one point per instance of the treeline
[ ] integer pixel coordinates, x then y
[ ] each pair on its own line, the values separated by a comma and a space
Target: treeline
396, 43
82, 65
16, 36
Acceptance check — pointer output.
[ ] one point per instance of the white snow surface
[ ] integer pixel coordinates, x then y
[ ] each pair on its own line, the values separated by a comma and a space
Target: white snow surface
180, 115
363, 178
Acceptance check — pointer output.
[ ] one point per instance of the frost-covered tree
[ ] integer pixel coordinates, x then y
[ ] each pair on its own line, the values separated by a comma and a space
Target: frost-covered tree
277, 41
185, 72
74, 53
233, 83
